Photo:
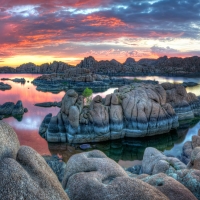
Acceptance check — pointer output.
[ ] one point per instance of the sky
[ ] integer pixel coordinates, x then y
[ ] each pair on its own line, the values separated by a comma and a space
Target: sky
41, 31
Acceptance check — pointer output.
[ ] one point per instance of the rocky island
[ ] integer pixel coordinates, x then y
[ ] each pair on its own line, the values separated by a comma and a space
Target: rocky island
4, 86
80, 78
10, 109
135, 110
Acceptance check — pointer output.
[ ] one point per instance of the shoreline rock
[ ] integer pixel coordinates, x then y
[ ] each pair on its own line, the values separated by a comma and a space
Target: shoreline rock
24, 173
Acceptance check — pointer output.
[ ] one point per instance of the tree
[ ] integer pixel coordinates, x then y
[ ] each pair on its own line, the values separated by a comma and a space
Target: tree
87, 93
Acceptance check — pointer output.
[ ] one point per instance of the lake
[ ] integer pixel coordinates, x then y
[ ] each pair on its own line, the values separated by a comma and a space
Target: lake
126, 152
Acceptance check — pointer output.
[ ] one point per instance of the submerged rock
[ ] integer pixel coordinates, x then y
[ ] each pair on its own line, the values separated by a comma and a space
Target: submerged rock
49, 104
19, 80
189, 84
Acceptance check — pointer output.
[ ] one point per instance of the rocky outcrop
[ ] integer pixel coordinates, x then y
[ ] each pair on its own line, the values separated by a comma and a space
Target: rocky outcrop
7, 70
93, 175
10, 109
137, 110
154, 163
162, 66
186, 105
169, 186
188, 148
24, 173
4, 86
79, 79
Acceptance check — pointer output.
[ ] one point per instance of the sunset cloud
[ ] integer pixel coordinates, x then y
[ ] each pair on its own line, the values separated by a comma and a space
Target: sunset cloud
67, 30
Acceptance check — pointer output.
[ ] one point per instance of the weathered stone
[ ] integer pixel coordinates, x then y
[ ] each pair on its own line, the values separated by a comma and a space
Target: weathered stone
92, 175
169, 187
155, 162
9, 143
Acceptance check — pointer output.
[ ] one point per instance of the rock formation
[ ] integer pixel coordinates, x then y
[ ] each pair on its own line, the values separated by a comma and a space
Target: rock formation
92, 175
24, 173
4, 86
80, 78
10, 109
136, 110
162, 66
188, 148
154, 163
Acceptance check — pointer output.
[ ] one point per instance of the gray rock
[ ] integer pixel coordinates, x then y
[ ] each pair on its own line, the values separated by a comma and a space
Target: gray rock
170, 187
155, 162
92, 175
9, 143
4, 86
18, 109
24, 173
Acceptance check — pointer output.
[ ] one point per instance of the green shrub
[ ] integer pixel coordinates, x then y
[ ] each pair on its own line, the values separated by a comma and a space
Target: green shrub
87, 93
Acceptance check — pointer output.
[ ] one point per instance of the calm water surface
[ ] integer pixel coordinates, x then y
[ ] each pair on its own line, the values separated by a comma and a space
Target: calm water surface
126, 152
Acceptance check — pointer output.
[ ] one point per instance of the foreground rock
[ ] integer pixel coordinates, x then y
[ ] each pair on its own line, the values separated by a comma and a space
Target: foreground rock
24, 173
93, 175
137, 110
4, 86
154, 162
99, 177
10, 109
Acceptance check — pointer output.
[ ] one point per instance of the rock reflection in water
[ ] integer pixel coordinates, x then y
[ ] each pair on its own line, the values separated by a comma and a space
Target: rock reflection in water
128, 151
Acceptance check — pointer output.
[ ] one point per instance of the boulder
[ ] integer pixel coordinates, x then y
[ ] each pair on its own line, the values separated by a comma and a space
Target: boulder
195, 159
9, 143
92, 175
155, 162
186, 152
68, 100
169, 187
24, 173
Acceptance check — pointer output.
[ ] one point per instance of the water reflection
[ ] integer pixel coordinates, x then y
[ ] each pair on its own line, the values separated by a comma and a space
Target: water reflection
125, 152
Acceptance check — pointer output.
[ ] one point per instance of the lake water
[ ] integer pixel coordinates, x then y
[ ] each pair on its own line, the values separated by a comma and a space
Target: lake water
126, 152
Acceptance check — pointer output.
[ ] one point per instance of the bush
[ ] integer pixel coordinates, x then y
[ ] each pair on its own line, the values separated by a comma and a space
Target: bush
87, 93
